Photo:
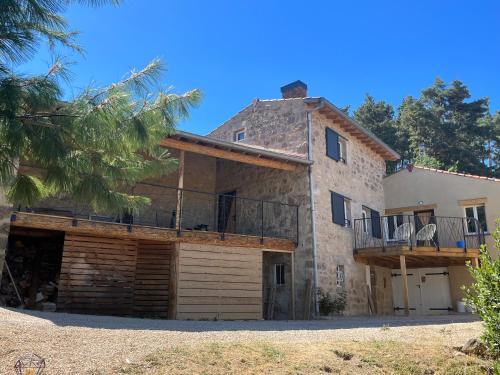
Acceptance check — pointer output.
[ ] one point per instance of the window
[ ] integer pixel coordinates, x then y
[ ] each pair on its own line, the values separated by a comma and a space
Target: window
341, 210
479, 213
279, 274
366, 218
340, 276
239, 135
336, 146
343, 150
391, 223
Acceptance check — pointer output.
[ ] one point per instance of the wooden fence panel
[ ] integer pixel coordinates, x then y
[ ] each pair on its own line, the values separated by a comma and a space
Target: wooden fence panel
152, 279
216, 282
97, 275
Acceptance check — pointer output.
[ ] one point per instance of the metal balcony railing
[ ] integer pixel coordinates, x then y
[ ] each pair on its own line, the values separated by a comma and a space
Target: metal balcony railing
190, 210
417, 231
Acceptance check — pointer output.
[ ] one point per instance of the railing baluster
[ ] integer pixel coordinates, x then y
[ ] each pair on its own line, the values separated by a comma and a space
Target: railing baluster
464, 224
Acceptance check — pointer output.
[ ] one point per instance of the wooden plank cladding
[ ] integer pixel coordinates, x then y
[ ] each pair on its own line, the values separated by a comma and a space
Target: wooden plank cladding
97, 275
216, 282
152, 279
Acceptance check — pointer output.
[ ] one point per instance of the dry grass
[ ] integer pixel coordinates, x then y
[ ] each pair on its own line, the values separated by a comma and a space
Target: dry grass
344, 357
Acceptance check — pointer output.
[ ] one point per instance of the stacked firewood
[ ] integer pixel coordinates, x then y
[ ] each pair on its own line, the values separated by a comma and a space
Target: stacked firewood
34, 271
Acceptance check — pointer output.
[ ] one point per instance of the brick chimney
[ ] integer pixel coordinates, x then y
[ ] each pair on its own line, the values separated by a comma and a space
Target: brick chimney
297, 89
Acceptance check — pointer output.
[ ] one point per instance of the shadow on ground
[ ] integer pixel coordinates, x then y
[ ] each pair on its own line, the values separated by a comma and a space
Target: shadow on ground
341, 322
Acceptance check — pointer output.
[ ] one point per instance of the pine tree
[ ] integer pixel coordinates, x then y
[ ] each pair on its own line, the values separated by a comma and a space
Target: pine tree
91, 149
447, 128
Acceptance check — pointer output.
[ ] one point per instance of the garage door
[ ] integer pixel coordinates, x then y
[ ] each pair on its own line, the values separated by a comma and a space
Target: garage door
428, 291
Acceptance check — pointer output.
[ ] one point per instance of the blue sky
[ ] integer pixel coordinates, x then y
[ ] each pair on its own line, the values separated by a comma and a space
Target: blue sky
235, 51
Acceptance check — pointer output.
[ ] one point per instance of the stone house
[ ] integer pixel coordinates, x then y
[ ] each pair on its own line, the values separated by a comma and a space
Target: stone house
282, 201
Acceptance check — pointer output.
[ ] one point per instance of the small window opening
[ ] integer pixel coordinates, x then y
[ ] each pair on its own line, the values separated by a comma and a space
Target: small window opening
340, 276
279, 274
239, 136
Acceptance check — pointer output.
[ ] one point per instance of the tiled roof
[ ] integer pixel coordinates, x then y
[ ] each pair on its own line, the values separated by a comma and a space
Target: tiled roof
457, 173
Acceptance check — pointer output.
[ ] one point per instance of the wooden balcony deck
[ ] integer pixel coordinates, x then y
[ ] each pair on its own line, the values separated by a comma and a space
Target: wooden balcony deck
421, 256
69, 225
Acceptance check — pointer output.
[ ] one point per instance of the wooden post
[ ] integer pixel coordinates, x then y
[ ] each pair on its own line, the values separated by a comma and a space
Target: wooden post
475, 262
293, 285
369, 289
180, 186
404, 277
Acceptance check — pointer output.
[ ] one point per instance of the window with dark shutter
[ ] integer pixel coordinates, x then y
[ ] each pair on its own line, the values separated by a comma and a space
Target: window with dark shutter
338, 209
332, 144
376, 227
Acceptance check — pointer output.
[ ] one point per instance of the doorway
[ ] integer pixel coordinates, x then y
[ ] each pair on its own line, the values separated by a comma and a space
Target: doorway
226, 213
428, 291
423, 218
34, 258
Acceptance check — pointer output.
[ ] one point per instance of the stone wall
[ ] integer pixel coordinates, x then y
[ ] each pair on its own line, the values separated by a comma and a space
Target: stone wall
279, 125
360, 179
281, 186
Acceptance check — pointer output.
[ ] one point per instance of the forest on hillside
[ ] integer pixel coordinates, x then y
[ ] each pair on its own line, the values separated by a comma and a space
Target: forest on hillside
443, 128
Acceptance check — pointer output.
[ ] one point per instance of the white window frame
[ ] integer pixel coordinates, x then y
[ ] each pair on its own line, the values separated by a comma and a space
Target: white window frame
386, 226
237, 133
365, 217
342, 149
347, 212
340, 276
474, 210
276, 266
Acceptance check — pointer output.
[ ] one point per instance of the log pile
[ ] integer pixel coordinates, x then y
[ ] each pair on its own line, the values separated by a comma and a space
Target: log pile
35, 267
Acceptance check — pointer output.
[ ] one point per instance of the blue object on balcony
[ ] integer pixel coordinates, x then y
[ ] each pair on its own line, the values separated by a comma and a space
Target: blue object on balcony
461, 244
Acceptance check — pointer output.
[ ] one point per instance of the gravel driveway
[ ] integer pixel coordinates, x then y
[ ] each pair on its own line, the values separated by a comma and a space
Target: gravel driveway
75, 344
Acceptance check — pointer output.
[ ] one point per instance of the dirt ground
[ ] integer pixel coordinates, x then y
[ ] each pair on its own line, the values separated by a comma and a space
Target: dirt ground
87, 344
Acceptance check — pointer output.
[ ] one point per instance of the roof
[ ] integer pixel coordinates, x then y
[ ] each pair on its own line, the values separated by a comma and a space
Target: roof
483, 178
346, 122
353, 127
242, 148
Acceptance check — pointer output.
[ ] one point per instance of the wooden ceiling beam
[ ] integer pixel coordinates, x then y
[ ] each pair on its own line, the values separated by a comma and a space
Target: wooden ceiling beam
261, 161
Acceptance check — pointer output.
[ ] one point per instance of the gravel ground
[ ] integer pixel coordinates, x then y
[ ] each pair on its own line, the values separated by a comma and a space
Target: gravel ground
77, 344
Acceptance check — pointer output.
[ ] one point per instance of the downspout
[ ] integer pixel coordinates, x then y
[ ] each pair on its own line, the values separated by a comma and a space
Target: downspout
313, 210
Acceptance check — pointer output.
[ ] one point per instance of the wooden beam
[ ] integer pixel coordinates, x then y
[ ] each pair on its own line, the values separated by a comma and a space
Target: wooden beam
180, 186
293, 285
400, 210
404, 277
368, 280
225, 154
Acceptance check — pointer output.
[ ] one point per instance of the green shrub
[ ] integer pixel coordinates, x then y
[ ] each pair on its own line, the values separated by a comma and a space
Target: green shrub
484, 295
332, 304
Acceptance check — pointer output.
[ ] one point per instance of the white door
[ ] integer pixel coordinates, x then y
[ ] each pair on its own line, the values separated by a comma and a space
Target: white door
435, 286
428, 291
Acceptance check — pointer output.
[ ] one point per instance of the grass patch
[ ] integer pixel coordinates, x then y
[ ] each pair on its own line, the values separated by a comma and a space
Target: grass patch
343, 357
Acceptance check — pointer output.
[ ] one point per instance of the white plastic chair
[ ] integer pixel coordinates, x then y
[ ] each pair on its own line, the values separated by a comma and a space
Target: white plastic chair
427, 233
403, 232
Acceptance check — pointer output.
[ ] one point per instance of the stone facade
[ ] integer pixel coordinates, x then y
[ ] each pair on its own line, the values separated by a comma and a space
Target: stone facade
274, 124
282, 125
360, 180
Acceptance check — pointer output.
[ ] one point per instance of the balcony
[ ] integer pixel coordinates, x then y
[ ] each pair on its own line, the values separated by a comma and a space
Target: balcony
425, 241
180, 215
